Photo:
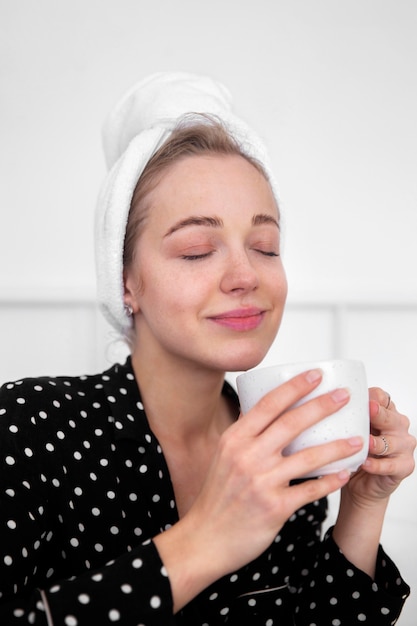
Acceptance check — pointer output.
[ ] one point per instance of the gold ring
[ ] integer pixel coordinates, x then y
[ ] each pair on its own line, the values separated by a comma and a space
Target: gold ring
386, 447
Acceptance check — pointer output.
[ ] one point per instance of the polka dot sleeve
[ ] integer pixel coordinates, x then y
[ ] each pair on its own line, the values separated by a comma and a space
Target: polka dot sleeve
339, 593
132, 589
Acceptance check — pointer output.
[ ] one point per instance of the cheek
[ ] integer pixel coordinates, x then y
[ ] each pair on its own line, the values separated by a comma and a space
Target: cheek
166, 294
277, 285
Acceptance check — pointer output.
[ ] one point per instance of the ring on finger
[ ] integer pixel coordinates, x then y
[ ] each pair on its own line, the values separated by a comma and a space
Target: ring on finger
386, 447
389, 401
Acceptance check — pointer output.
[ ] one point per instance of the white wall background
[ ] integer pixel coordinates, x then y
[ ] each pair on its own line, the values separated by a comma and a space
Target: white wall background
330, 84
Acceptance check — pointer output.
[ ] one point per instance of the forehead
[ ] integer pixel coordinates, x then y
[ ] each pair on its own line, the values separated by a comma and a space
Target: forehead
216, 182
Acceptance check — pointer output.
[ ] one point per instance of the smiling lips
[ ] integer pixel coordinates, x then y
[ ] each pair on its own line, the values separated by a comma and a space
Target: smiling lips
240, 319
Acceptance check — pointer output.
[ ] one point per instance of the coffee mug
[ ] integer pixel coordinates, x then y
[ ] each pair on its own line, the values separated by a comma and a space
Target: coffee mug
349, 421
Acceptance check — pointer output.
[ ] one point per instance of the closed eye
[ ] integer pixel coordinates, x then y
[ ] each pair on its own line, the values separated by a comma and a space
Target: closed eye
195, 257
267, 252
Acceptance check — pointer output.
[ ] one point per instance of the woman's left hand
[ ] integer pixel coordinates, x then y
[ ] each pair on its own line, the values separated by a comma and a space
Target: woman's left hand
391, 452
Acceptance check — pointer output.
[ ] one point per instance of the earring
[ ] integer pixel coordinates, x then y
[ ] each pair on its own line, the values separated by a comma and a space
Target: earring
128, 310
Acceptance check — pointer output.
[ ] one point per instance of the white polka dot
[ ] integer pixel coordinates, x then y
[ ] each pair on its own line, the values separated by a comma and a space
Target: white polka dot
83, 598
155, 602
126, 588
97, 578
70, 620
114, 615
137, 563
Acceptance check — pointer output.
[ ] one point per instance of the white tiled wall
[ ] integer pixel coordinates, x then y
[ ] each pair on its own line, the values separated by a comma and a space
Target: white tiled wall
69, 336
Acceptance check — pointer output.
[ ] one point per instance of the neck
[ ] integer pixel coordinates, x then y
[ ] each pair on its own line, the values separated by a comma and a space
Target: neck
182, 403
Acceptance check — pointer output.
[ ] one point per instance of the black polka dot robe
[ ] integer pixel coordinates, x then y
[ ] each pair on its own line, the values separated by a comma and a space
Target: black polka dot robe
84, 487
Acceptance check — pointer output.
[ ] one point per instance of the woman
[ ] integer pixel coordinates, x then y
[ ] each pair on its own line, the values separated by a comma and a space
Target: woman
140, 496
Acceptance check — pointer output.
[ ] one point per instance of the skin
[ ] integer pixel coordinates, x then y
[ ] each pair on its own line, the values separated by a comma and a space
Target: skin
208, 290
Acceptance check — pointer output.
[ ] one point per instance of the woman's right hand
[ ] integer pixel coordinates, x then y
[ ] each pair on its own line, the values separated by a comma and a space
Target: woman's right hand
247, 497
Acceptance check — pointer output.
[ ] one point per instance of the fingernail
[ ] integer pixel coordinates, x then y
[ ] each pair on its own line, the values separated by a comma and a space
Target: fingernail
355, 442
344, 475
313, 376
340, 395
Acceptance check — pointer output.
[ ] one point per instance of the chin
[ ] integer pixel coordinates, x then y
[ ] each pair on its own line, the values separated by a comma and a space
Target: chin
244, 362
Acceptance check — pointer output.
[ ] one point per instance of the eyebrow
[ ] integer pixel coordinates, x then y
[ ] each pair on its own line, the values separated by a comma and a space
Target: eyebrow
216, 222
213, 222
264, 218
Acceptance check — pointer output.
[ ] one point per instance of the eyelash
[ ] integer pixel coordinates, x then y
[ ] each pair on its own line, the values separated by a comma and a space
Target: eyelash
197, 257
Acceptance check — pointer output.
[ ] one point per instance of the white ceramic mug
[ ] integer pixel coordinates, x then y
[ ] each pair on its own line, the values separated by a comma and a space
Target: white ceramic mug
349, 421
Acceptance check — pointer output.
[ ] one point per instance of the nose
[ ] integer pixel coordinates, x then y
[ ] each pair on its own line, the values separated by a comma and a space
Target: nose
239, 274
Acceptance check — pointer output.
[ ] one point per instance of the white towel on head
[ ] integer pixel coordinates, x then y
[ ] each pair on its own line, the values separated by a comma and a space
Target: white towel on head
139, 124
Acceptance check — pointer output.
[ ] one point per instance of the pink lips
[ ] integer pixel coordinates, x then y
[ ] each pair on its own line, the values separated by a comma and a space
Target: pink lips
240, 319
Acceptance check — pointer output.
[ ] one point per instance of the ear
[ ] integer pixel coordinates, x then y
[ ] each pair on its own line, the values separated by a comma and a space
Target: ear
128, 297
131, 291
